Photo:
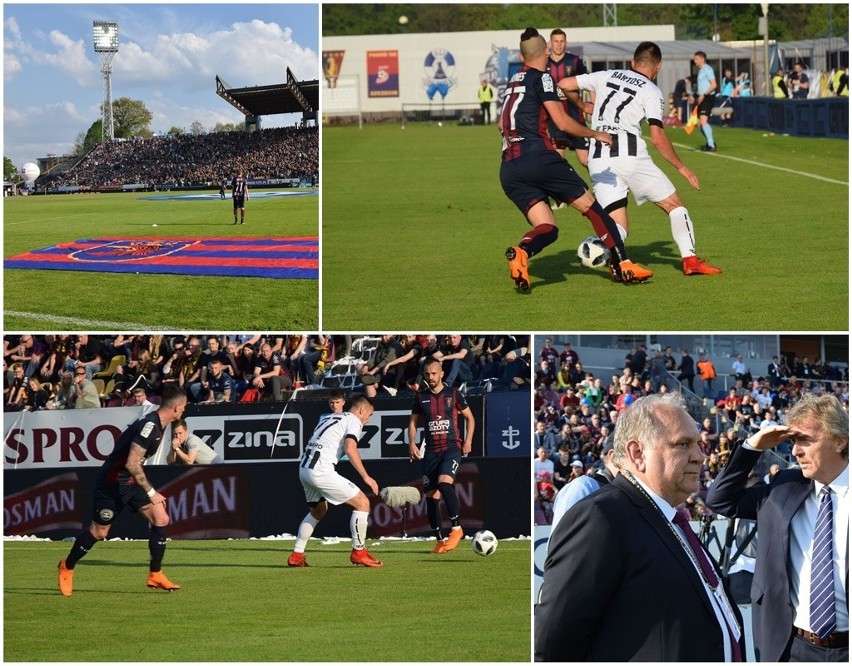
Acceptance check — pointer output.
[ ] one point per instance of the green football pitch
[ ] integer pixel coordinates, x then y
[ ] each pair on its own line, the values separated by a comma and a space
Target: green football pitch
74, 300
240, 602
415, 225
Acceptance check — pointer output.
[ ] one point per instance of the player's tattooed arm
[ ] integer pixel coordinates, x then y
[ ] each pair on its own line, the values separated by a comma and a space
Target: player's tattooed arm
134, 466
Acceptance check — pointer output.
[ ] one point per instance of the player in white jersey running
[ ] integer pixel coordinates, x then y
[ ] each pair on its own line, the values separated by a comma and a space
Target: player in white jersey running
334, 436
623, 99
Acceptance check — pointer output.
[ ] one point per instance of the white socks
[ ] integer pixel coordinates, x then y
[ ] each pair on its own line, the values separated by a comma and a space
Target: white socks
682, 231
358, 525
306, 529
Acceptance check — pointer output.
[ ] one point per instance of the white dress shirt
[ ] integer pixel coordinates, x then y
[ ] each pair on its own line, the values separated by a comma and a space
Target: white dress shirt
669, 512
801, 546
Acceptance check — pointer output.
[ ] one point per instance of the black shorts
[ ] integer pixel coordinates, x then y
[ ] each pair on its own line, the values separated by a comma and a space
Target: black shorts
538, 175
706, 106
239, 202
439, 464
110, 499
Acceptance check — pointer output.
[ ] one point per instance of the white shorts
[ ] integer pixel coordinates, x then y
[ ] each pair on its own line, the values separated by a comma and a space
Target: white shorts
327, 485
612, 177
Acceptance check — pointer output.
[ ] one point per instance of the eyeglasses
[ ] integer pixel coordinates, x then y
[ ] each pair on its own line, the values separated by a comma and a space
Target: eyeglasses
80, 373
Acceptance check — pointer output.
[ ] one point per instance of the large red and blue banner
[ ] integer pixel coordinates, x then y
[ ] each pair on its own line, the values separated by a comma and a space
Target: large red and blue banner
276, 257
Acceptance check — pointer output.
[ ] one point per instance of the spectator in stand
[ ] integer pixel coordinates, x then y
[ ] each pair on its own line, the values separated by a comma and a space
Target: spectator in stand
568, 354
548, 353
35, 397
638, 360
625, 399
58, 350
92, 356
457, 361
562, 469
86, 393
669, 359
773, 370
218, 386
687, 369
740, 370
707, 373
657, 370
30, 354
544, 374
66, 391
17, 389
374, 372
140, 397
268, 377
564, 377
189, 449
543, 465
543, 438
312, 361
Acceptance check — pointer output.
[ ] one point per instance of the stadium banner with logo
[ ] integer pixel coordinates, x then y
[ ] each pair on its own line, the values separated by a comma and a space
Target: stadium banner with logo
382, 73
332, 63
243, 432
262, 500
509, 424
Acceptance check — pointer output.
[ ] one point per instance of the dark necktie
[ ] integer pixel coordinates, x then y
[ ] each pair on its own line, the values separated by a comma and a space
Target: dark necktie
710, 575
823, 616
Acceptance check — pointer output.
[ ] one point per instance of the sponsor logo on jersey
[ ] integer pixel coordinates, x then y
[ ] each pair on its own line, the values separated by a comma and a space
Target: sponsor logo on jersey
146, 429
106, 515
547, 82
439, 426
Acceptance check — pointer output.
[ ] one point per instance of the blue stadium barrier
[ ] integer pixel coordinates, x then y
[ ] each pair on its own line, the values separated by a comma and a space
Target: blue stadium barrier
825, 118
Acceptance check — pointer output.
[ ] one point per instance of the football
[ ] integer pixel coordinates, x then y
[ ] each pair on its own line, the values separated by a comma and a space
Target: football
593, 253
484, 543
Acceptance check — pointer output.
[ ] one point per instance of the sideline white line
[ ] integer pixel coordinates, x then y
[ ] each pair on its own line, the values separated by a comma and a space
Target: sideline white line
86, 324
767, 166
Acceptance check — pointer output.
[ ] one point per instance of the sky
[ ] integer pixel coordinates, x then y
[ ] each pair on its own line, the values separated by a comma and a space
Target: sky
168, 57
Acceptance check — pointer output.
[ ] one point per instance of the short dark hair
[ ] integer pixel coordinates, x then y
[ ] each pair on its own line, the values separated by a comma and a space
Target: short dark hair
360, 400
529, 33
702, 54
171, 394
557, 31
648, 53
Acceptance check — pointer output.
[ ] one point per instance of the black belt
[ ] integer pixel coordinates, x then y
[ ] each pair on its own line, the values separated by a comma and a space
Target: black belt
837, 640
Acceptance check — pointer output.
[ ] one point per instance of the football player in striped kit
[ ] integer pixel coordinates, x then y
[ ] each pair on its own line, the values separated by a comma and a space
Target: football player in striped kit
623, 99
334, 436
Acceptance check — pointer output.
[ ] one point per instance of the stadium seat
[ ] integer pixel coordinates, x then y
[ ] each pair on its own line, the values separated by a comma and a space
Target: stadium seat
115, 361
99, 385
108, 388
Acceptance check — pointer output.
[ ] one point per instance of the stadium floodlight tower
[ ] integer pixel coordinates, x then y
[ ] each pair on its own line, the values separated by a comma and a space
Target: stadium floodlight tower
106, 46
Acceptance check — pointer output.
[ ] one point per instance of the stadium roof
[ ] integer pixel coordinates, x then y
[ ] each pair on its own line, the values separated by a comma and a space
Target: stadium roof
290, 97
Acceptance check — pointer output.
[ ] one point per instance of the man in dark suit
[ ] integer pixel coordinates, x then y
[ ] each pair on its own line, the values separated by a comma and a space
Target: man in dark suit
622, 582
687, 369
788, 577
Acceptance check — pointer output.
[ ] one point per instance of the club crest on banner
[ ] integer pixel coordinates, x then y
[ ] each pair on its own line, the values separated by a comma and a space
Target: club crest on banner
129, 250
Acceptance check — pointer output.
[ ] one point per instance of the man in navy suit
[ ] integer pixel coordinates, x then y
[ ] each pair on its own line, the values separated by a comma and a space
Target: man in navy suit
622, 580
788, 621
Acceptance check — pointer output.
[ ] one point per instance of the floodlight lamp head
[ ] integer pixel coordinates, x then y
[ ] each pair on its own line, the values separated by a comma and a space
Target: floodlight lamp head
105, 36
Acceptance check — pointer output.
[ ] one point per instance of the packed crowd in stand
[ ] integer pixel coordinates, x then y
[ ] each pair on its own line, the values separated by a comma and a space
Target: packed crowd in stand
202, 159
576, 411
45, 372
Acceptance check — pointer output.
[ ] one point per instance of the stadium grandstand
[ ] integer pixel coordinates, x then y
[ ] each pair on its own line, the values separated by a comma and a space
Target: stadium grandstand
284, 156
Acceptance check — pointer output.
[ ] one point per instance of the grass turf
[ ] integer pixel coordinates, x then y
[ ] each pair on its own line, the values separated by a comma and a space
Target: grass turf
418, 215
72, 300
240, 602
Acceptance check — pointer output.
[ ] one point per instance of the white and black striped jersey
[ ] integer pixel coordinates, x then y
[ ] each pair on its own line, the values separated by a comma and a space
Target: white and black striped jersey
328, 443
623, 99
